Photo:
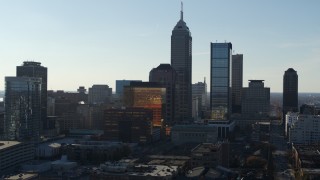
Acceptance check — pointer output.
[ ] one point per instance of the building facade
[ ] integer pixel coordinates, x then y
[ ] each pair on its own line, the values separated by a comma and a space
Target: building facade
220, 86
22, 108
255, 100
13, 154
166, 76
290, 91
34, 69
99, 94
199, 91
181, 61
306, 130
237, 81
194, 133
149, 95
133, 125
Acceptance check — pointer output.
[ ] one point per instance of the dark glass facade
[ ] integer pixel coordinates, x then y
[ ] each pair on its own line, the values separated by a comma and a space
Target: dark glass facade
290, 91
34, 69
22, 108
133, 125
147, 95
237, 80
220, 86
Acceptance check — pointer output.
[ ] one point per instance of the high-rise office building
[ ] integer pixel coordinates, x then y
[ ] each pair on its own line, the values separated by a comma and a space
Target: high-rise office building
34, 69
99, 94
256, 100
22, 108
220, 86
199, 91
181, 61
290, 91
148, 95
237, 78
166, 75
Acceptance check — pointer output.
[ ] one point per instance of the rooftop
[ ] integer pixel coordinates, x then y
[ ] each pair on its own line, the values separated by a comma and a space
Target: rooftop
6, 144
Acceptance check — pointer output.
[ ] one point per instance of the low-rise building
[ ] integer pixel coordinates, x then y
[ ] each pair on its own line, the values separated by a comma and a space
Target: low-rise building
194, 134
13, 154
306, 130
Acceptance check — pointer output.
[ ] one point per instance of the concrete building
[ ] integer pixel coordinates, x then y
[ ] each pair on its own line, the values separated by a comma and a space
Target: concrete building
166, 76
181, 61
224, 127
149, 95
306, 130
13, 154
291, 118
255, 100
194, 134
99, 94
199, 91
220, 86
132, 125
34, 69
22, 108
237, 81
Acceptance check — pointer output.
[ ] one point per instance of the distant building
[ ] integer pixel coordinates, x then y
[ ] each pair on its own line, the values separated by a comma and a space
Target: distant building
194, 134
199, 91
290, 92
34, 69
237, 80
220, 86
120, 85
99, 94
132, 125
13, 154
255, 100
181, 61
149, 95
306, 130
166, 76
22, 108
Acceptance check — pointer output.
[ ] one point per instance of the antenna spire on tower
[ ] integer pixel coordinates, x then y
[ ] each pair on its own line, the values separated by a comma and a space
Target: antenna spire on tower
181, 15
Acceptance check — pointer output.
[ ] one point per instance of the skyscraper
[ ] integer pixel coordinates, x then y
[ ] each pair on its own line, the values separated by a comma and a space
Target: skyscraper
220, 86
181, 61
34, 69
22, 108
166, 75
290, 91
237, 78
199, 91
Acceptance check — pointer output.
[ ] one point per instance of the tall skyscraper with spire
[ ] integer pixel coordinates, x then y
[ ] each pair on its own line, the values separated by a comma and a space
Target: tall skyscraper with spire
181, 61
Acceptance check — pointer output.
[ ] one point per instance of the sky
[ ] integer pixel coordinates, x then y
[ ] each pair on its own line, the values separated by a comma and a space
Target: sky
86, 42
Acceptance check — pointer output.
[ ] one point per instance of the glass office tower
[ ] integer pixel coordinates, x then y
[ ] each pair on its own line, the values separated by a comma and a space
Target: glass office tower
22, 108
220, 86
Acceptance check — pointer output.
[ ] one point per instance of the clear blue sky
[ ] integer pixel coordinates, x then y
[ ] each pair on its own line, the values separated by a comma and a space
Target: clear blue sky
97, 42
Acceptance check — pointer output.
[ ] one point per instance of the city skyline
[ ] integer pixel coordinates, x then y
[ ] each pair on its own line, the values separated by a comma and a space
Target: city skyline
84, 43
